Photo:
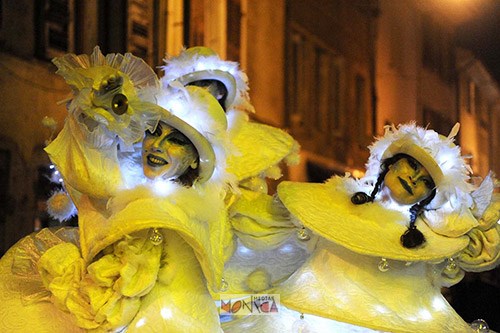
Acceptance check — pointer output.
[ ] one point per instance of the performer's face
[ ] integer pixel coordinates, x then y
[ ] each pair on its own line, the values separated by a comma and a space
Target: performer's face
408, 181
167, 153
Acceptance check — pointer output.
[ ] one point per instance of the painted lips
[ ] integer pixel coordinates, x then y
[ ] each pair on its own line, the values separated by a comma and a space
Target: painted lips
405, 185
155, 161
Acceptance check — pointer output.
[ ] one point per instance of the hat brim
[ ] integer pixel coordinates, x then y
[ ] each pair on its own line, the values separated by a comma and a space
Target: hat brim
259, 147
368, 229
205, 151
418, 153
213, 74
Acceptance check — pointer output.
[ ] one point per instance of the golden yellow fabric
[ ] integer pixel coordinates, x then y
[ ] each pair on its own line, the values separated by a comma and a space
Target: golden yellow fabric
133, 283
259, 147
82, 165
25, 302
258, 222
371, 229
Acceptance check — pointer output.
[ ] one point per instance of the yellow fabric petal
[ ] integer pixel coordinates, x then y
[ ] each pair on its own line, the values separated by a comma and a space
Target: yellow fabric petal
483, 251
259, 222
119, 311
60, 268
141, 263
105, 271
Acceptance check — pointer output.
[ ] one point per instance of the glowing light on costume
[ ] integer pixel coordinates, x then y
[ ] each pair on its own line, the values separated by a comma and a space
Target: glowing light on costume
202, 65
166, 313
140, 322
381, 309
164, 187
287, 248
304, 278
412, 318
425, 314
438, 304
177, 105
244, 250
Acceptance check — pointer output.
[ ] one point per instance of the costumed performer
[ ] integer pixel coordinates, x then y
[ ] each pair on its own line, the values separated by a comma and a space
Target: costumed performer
260, 147
150, 243
385, 244
107, 91
260, 151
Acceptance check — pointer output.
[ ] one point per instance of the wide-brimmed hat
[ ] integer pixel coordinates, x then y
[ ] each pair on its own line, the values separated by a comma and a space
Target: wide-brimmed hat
110, 107
259, 150
370, 229
376, 227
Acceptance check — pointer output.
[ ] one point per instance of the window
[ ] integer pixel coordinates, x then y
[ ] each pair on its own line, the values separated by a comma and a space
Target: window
4, 183
194, 23
437, 54
437, 121
54, 32
140, 29
135, 26
314, 93
362, 123
233, 29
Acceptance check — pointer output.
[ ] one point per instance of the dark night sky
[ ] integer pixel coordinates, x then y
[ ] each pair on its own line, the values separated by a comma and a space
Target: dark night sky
482, 36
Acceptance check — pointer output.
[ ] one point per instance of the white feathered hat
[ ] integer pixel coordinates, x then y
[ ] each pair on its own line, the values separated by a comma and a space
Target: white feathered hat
195, 113
437, 153
202, 63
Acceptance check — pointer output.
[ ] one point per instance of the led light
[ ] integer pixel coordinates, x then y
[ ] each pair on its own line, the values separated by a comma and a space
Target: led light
166, 313
425, 314
243, 250
381, 309
287, 248
438, 303
163, 187
140, 322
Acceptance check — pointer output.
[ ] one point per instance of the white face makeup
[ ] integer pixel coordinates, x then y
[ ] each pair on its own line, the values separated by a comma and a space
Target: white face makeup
167, 153
408, 181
